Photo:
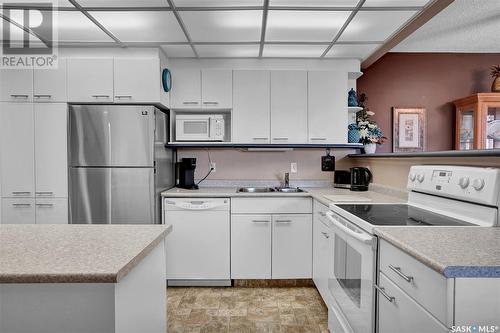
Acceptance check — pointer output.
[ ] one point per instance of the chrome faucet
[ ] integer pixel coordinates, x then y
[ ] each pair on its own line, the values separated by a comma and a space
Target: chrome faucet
287, 180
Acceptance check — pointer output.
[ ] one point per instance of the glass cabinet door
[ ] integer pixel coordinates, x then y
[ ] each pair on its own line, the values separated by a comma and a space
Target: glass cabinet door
466, 128
493, 127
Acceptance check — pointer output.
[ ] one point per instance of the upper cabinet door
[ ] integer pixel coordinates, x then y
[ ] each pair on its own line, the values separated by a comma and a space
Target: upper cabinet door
137, 80
16, 85
186, 89
49, 85
327, 115
251, 106
51, 163
217, 88
90, 80
288, 107
16, 145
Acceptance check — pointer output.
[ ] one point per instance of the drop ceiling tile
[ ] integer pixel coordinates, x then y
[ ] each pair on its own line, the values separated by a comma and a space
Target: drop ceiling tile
375, 25
361, 51
141, 26
316, 26
217, 3
223, 26
314, 3
73, 26
123, 3
293, 51
178, 51
224, 51
395, 3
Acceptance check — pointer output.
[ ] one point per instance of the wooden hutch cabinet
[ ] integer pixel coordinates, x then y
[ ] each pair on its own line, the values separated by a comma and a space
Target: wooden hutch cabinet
477, 124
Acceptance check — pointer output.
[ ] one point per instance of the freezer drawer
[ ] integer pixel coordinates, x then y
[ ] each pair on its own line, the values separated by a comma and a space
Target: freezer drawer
112, 196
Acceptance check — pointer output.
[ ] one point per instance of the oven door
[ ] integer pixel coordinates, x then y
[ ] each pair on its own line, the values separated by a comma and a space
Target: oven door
353, 275
192, 129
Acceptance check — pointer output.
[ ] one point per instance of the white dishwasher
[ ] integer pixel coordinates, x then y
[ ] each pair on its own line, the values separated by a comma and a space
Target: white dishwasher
198, 249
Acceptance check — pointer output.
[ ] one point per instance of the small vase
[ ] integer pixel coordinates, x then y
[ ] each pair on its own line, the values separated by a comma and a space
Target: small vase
495, 86
370, 148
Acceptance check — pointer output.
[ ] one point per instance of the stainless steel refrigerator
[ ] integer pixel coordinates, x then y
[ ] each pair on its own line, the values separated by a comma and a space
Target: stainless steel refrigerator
118, 164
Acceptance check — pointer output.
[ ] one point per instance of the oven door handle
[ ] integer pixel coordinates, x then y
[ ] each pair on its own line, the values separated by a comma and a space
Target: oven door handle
359, 235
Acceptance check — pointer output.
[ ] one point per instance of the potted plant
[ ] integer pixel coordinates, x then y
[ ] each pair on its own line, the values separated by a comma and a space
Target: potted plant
370, 135
495, 73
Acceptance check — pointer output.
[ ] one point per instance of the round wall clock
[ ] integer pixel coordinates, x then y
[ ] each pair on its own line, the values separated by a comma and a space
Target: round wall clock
166, 79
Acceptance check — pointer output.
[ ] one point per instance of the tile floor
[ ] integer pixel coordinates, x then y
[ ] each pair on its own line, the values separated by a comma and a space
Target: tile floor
242, 310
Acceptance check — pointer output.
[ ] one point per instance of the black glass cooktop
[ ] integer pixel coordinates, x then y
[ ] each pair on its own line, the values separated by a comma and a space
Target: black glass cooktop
400, 215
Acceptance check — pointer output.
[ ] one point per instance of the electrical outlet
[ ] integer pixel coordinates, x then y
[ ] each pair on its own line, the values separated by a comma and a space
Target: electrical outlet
293, 167
213, 166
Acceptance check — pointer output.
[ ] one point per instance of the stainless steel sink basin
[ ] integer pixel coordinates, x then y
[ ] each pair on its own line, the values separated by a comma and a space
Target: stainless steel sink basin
289, 190
256, 189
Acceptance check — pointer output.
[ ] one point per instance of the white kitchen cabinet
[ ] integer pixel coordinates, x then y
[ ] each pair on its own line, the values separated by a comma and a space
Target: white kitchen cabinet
251, 106
51, 211
90, 80
217, 88
288, 107
50, 85
292, 247
17, 149
398, 312
321, 250
51, 166
186, 89
251, 246
16, 85
137, 80
327, 107
18, 210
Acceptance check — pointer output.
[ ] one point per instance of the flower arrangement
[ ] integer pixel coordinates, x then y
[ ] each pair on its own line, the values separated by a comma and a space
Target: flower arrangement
369, 132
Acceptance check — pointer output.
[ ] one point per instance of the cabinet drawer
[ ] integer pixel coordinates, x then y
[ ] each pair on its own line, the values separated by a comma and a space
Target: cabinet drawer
51, 211
401, 313
420, 282
269, 205
18, 211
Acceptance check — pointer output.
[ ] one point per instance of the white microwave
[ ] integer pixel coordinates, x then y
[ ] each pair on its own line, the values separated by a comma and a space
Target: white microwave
200, 127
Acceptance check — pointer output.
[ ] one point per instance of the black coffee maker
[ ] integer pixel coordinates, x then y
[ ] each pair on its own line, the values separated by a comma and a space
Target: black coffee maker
184, 173
360, 178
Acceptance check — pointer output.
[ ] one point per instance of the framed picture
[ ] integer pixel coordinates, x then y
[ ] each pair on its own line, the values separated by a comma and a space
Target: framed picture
408, 129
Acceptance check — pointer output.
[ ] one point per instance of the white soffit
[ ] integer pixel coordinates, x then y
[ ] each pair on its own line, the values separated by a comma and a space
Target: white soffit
178, 51
469, 26
359, 51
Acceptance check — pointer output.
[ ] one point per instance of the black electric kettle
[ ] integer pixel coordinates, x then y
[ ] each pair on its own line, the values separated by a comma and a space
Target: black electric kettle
360, 178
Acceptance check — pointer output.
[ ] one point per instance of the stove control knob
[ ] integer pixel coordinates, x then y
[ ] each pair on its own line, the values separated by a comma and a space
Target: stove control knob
463, 182
413, 177
478, 184
421, 178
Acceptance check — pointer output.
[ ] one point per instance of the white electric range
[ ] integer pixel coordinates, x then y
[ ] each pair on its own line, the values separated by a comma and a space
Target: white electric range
439, 195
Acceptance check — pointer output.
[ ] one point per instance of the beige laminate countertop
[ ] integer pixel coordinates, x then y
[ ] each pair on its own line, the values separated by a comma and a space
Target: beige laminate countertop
74, 253
454, 252
314, 192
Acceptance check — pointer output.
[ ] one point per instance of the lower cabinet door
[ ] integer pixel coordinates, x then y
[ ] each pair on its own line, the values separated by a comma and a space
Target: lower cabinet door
292, 246
321, 255
18, 211
51, 211
251, 246
399, 313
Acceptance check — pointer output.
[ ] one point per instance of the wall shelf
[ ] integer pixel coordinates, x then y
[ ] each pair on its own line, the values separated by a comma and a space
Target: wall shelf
354, 108
250, 145
446, 153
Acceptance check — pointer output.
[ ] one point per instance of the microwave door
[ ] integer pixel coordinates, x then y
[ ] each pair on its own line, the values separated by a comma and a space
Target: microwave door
193, 129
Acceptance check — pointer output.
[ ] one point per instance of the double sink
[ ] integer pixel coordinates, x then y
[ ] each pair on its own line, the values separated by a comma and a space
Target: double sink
269, 189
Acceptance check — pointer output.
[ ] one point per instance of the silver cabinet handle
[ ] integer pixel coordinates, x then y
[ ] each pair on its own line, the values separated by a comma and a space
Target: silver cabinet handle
383, 293
283, 221
21, 205
124, 96
44, 193
397, 270
210, 103
260, 221
44, 205
325, 234
19, 96
190, 103
100, 96
21, 193
318, 139
280, 139
43, 96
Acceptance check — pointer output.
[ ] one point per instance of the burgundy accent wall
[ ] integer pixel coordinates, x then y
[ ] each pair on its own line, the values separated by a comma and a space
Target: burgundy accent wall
429, 80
